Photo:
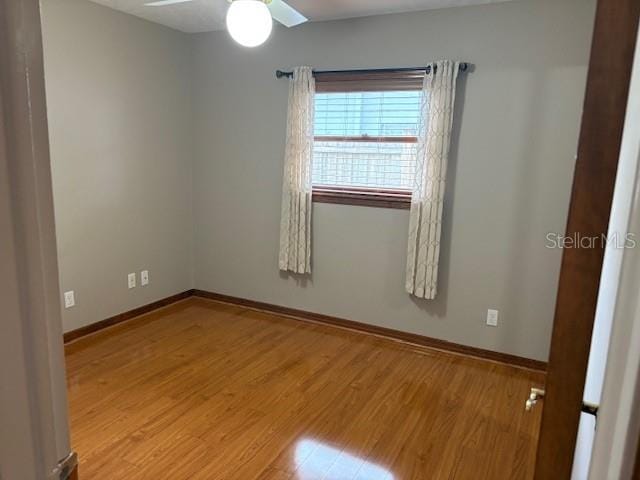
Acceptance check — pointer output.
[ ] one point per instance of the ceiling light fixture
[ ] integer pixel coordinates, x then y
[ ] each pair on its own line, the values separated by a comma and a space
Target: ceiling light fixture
249, 22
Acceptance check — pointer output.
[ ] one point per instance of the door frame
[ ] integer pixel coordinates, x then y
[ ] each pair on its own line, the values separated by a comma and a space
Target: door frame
34, 430
610, 64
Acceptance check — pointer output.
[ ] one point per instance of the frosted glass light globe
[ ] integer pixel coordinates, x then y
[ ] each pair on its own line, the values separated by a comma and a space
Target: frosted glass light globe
249, 22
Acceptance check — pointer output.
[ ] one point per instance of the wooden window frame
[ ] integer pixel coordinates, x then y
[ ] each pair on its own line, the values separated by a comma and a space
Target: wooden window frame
364, 197
337, 82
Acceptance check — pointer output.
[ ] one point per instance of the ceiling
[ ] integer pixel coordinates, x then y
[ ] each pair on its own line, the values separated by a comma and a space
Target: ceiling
208, 15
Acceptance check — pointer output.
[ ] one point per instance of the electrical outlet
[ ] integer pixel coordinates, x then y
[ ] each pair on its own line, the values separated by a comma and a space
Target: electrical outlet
144, 277
132, 280
492, 318
69, 299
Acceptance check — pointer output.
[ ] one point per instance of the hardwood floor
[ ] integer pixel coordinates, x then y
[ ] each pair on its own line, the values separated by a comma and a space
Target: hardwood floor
205, 390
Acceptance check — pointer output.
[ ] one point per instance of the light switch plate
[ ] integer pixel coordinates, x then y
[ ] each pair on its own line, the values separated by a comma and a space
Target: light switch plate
132, 280
144, 277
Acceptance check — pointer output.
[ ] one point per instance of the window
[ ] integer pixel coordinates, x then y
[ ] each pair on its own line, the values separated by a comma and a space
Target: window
365, 131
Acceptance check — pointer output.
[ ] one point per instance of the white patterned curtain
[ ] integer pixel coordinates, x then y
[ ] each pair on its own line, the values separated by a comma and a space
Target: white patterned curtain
295, 221
434, 138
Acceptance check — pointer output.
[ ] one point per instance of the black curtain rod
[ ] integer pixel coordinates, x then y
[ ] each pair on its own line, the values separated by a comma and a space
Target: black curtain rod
463, 67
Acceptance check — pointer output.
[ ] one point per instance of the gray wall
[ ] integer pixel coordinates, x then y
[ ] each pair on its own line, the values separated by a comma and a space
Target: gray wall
156, 135
509, 176
119, 106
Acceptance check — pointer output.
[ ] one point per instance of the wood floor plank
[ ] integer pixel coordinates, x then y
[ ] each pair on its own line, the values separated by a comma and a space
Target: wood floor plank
202, 390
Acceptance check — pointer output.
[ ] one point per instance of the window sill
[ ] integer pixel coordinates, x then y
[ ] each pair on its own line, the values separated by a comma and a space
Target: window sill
364, 198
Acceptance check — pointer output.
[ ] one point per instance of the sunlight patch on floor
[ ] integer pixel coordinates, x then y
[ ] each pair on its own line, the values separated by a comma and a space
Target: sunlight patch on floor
315, 460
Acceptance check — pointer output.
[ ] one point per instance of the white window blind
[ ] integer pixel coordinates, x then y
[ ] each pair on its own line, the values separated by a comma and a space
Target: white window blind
366, 140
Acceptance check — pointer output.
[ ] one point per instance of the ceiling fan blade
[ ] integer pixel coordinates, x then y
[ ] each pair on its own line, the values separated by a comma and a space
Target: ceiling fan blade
285, 14
162, 3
